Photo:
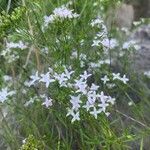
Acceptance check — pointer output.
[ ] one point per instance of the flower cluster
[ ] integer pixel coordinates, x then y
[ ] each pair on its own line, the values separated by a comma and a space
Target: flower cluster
115, 76
124, 79
95, 103
9, 54
89, 98
101, 37
59, 13
130, 44
19, 45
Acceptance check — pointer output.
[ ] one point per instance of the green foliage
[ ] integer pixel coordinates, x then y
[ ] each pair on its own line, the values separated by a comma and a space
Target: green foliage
125, 126
31, 143
9, 21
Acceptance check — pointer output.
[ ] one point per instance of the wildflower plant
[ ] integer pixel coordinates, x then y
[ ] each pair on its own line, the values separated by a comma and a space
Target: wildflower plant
60, 80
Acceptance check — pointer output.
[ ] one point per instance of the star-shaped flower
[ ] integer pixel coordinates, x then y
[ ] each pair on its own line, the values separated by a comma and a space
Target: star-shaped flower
82, 88
116, 76
124, 79
75, 101
102, 97
85, 75
75, 117
105, 79
107, 113
103, 106
88, 105
4, 94
94, 87
46, 79
47, 102
70, 112
96, 43
110, 43
34, 78
68, 74
91, 95
95, 112
78, 83
61, 79
111, 100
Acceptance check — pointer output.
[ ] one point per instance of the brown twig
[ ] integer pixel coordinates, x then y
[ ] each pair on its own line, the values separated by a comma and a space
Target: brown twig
33, 48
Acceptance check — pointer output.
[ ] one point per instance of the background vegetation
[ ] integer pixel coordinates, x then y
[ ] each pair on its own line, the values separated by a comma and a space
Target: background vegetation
25, 123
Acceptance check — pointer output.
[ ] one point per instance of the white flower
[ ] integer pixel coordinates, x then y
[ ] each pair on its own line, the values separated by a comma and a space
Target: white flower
44, 50
107, 113
82, 56
111, 100
27, 83
47, 102
59, 13
61, 79
46, 79
116, 76
130, 103
104, 29
102, 97
34, 78
75, 117
48, 19
68, 74
110, 85
75, 101
112, 43
5, 52
70, 112
82, 88
24, 141
7, 78
79, 82
147, 73
20, 45
82, 42
4, 94
82, 64
94, 87
129, 44
29, 102
103, 106
51, 71
95, 112
63, 12
105, 79
124, 79
101, 34
96, 22
74, 55
88, 105
92, 96
96, 43
85, 75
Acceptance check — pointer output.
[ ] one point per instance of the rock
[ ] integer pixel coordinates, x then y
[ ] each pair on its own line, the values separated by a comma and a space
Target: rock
120, 16
142, 56
141, 8
124, 16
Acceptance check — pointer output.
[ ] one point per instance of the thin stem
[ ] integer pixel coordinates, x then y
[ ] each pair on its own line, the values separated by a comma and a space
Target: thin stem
8, 5
11, 134
142, 124
33, 47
